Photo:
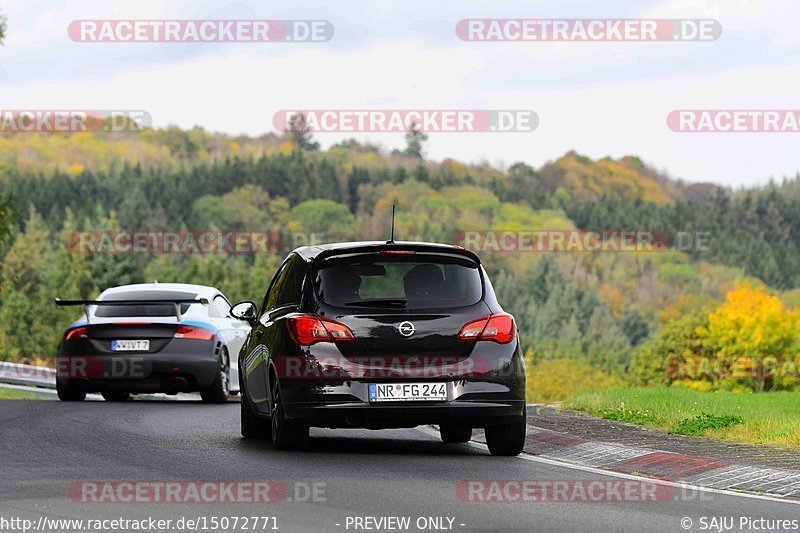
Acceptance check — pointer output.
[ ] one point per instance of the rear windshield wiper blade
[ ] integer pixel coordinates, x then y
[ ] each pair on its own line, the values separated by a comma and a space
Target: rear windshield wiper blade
378, 302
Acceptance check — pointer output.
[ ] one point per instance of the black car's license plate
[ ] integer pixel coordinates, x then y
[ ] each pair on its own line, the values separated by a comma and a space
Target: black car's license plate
407, 392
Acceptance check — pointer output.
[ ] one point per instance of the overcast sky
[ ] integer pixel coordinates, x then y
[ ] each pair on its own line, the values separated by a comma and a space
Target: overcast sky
597, 98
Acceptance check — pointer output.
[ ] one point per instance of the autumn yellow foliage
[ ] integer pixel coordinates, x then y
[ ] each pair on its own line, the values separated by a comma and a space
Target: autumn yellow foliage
586, 178
557, 379
754, 327
76, 169
753, 323
750, 341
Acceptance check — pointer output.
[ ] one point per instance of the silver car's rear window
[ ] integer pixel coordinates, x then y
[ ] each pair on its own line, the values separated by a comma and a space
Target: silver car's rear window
154, 310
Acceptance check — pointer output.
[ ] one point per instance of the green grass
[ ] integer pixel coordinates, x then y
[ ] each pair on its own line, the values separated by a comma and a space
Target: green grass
699, 424
767, 418
15, 394
632, 416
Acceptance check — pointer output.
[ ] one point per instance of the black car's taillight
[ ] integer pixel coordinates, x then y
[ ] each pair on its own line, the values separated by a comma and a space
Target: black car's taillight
498, 327
310, 329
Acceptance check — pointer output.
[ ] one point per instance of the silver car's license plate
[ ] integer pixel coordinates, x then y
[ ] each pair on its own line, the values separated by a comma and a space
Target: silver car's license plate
130, 345
407, 392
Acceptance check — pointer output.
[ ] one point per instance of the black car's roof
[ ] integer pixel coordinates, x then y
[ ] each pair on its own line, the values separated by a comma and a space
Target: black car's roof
320, 251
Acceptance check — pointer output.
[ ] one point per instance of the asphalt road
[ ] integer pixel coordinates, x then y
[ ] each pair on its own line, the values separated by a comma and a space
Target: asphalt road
49, 447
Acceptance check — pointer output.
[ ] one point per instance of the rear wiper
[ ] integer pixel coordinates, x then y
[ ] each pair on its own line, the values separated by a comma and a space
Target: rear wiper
378, 302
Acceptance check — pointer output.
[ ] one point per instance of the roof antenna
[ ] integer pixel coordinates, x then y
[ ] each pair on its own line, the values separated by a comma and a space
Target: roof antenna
391, 237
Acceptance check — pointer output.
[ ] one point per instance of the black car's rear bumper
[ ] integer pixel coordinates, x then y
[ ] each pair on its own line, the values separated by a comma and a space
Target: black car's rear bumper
487, 388
477, 403
378, 416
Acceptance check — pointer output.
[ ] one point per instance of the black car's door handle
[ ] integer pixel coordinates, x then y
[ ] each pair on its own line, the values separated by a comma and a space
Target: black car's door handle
258, 333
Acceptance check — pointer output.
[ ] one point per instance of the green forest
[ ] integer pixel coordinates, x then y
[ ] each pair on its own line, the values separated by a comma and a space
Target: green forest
593, 319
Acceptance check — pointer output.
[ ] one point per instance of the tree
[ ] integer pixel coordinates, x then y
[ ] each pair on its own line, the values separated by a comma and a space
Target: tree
657, 361
25, 268
24, 264
108, 267
244, 208
753, 325
414, 139
323, 219
635, 327
299, 134
3, 27
523, 182
7, 218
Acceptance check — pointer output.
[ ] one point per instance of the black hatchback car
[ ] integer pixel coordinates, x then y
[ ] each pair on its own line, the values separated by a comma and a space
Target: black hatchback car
382, 335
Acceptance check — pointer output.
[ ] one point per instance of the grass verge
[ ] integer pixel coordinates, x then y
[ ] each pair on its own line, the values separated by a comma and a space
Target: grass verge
16, 394
767, 418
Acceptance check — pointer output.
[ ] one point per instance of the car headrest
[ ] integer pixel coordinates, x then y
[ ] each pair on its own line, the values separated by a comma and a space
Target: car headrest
422, 280
343, 286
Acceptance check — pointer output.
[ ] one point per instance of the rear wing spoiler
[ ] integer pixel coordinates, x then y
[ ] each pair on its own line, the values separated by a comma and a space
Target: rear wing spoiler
396, 247
174, 302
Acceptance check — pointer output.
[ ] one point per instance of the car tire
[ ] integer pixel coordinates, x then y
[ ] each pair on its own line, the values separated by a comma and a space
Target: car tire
116, 396
507, 439
253, 426
67, 393
286, 435
455, 433
218, 391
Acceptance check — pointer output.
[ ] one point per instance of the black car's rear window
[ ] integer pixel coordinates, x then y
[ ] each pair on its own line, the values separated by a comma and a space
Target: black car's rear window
144, 309
414, 281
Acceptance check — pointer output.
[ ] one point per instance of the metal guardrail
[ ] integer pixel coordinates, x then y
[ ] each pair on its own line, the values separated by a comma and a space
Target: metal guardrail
43, 377
30, 375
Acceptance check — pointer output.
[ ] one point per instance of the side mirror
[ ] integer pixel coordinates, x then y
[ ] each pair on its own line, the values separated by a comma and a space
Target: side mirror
245, 311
